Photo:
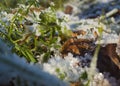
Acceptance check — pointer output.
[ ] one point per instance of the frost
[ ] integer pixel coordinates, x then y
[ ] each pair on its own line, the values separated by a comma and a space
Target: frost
108, 38
99, 80
67, 66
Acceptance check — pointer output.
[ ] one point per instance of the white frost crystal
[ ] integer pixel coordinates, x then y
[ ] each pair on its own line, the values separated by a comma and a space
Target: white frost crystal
99, 80
108, 38
66, 67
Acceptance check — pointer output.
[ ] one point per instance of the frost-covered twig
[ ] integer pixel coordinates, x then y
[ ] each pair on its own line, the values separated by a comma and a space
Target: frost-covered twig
110, 13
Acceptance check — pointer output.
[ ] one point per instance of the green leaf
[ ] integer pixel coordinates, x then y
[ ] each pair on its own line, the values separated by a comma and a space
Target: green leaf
62, 76
46, 57
84, 75
88, 83
30, 55
57, 70
100, 30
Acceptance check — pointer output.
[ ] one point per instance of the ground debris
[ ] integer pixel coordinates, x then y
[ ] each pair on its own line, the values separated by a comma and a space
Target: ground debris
77, 46
76, 84
108, 59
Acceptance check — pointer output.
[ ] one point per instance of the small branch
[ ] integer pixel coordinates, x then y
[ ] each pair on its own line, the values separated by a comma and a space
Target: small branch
110, 13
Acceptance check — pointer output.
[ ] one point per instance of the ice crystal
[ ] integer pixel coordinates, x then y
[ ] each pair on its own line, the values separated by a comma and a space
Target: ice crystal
99, 80
68, 67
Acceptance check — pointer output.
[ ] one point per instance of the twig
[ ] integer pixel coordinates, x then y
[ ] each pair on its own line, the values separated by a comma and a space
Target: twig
110, 13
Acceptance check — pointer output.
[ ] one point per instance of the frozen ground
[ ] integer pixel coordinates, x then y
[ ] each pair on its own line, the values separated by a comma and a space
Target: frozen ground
86, 15
89, 16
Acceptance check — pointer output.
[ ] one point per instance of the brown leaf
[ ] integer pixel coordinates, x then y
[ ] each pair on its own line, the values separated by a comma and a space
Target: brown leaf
36, 9
110, 50
77, 46
79, 32
76, 84
95, 34
108, 60
68, 9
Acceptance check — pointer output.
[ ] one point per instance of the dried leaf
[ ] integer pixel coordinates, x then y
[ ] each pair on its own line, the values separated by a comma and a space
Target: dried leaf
76, 84
80, 32
77, 46
109, 61
111, 52
68, 9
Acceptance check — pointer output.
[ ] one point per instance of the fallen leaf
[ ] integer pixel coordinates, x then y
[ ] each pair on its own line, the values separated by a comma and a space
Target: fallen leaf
68, 9
77, 46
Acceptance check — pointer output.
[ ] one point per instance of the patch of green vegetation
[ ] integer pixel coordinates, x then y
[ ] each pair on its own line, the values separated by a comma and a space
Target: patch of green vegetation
7, 4
25, 42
